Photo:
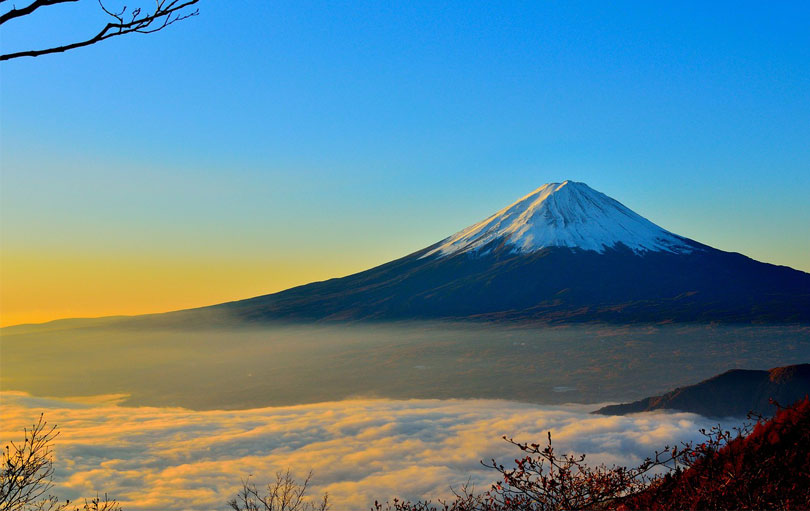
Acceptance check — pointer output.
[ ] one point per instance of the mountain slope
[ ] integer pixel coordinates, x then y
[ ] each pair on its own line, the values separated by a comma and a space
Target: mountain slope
563, 253
733, 393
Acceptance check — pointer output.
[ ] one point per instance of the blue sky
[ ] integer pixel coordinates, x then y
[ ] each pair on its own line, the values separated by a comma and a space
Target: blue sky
326, 137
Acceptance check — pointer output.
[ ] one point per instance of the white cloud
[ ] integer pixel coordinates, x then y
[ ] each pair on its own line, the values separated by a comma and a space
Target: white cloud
359, 450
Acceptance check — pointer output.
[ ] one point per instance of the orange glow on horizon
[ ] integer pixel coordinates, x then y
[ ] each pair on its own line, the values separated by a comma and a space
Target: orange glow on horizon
40, 288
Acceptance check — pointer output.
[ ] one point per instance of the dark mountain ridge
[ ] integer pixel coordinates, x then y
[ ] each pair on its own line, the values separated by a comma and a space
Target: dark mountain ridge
731, 394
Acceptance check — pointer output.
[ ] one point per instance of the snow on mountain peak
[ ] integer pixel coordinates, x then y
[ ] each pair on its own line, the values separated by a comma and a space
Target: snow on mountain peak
567, 214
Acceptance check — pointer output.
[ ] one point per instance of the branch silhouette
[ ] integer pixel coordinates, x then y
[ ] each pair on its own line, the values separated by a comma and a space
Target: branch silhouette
165, 13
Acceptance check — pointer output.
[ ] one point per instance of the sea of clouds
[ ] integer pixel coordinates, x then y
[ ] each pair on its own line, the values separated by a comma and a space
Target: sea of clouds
359, 450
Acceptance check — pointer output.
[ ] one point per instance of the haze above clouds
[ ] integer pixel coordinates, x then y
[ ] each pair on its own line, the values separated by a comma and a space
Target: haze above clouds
277, 365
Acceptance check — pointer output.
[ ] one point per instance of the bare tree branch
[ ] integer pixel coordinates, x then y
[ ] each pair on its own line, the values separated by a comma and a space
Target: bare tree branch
27, 468
285, 494
16, 13
166, 13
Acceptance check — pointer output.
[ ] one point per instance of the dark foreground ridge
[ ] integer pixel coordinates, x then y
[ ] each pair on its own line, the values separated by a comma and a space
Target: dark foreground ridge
731, 394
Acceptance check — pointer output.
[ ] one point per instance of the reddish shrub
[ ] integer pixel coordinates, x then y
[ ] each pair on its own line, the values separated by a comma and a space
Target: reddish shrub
767, 469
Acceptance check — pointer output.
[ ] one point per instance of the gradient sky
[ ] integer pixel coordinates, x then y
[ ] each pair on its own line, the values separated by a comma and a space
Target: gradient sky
267, 144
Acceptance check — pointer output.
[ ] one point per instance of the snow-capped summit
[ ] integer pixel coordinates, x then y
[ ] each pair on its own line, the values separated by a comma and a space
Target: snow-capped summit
567, 214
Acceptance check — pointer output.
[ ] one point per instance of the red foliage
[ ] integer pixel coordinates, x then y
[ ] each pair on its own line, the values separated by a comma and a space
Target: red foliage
767, 469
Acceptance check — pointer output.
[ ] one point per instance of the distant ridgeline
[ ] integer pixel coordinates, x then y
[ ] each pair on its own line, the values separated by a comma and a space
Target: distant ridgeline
733, 393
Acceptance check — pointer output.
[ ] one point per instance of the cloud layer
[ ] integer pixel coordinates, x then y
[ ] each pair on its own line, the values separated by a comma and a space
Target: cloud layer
359, 450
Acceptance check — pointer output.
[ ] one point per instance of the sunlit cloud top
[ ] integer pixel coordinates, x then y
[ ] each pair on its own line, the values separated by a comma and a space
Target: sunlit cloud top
359, 450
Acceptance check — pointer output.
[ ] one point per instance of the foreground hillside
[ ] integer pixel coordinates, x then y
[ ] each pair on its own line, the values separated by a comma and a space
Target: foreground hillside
731, 394
768, 469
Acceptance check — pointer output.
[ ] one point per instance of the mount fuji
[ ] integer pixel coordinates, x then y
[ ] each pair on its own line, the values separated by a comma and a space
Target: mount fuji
563, 253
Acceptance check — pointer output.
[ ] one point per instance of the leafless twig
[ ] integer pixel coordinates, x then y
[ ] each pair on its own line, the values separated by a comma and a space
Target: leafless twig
165, 13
